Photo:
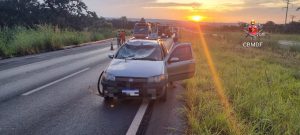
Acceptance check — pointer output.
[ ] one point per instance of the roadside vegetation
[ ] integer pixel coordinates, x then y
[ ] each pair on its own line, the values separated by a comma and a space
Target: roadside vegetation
19, 41
35, 26
262, 86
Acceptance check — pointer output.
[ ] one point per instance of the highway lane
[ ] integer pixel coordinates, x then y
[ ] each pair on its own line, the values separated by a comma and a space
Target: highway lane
40, 69
55, 93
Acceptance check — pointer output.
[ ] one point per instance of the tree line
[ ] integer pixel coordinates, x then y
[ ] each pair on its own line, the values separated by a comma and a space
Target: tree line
269, 26
292, 27
72, 14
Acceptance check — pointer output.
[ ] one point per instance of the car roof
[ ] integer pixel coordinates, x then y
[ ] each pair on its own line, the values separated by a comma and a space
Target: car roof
138, 42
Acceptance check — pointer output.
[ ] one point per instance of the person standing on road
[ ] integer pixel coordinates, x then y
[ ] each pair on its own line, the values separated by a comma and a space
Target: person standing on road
118, 36
123, 36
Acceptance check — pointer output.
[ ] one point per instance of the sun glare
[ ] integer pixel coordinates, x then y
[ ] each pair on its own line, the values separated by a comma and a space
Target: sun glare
196, 18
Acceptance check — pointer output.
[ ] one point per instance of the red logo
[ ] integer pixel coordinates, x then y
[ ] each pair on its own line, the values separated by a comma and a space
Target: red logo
253, 30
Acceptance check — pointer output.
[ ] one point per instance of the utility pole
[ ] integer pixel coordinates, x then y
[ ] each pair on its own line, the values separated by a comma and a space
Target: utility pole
287, 10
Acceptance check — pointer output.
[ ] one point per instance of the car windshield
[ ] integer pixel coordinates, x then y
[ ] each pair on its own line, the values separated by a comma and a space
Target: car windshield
140, 52
141, 29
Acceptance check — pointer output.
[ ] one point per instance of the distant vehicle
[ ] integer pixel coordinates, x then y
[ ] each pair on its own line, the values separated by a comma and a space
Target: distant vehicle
141, 29
164, 31
143, 68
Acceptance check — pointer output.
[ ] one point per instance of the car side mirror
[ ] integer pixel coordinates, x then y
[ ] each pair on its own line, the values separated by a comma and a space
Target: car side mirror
174, 59
111, 56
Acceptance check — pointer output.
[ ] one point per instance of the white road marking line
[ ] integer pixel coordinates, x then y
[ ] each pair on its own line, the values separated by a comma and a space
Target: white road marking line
54, 82
138, 118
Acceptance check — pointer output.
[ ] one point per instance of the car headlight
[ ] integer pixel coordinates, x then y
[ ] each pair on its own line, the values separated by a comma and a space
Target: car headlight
158, 78
108, 77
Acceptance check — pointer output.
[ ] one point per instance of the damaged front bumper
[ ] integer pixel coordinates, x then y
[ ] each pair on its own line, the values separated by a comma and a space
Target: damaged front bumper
136, 88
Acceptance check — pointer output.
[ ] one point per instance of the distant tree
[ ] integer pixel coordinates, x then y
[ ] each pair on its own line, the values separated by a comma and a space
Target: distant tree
293, 27
269, 26
124, 21
62, 13
142, 20
73, 13
270, 23
19, 12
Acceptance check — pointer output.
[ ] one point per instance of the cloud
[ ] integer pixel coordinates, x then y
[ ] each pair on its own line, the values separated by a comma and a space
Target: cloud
268, 3
214, 10
173, 5
169, 4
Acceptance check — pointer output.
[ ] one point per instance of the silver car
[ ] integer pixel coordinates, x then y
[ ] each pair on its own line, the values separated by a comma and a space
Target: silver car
144, 68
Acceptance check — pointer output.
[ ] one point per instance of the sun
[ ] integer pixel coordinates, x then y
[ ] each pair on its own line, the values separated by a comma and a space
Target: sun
196, 18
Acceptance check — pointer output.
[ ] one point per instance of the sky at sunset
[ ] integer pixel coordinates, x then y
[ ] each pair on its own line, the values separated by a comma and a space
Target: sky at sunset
211, 10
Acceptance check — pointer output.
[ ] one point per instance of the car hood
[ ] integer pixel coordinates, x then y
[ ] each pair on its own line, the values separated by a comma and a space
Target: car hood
135, 68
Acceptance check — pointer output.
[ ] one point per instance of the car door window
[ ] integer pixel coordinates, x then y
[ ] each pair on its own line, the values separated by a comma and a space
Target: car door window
183, 53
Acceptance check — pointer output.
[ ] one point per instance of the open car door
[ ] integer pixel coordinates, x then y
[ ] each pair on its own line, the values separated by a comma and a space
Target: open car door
180, 62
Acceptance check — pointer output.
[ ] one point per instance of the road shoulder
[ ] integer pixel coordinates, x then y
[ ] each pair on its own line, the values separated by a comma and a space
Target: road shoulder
167, 117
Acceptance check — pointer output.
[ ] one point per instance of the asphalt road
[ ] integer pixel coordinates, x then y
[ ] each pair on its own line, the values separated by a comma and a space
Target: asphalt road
55, 94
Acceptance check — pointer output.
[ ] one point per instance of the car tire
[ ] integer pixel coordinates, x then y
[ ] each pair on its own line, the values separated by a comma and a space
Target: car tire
99, 85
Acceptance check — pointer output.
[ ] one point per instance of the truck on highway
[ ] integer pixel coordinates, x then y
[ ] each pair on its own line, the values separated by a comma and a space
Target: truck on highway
141, 29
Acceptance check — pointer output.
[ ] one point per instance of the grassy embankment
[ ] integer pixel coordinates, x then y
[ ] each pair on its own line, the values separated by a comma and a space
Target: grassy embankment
260, 85
22, 41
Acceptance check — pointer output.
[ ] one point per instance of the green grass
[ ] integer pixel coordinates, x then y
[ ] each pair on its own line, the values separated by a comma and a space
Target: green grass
21, 41
261, 84
293, 37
